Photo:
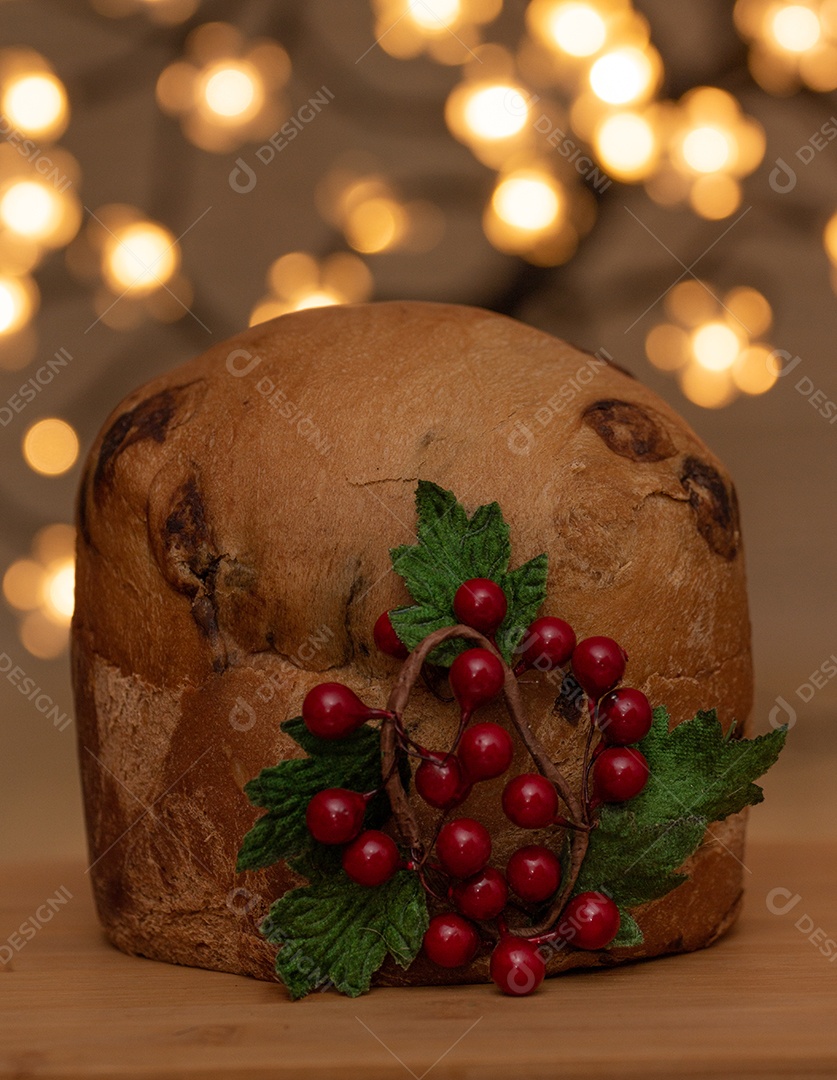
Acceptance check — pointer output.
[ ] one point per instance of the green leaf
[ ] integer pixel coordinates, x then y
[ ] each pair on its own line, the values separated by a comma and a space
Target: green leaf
451, 549
629, 933
696, 770
284, 790
634, 861
697, 775
336, 932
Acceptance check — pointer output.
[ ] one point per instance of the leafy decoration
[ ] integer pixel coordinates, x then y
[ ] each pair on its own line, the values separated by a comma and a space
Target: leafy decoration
332, 930
339, 933
697, 775
284, 790
451, 549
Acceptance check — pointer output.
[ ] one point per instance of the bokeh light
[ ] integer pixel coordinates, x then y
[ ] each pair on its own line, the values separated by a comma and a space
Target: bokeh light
50, 447
41, 588
18, 302
31, 96
712, 343
140, 257
298, 281
623, 76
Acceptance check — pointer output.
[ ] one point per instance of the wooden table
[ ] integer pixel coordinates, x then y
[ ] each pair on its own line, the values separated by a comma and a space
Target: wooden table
762, 1003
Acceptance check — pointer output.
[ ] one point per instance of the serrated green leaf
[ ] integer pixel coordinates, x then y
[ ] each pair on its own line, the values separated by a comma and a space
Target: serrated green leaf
629, 933
635, 861
694, 769
525, 590
696, 776
450, 550
284, 790
334, 931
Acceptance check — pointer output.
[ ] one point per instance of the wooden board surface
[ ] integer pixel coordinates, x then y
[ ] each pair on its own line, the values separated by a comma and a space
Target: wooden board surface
761, 1003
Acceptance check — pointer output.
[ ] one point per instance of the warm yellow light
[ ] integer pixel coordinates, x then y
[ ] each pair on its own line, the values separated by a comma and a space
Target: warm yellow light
22, 584
319, 298
50, 447
141, 257
30, 209
750, 308
667, 347
496, 112
36, 103
691, 303
375, 225
578, 29
715, 195
715, 346
626, 145
754, 372
621, 76
15, 305
709, 389
232, 91
59, 591
434, 15
707, 148
796, 28
528, 201
42, 636
830, 239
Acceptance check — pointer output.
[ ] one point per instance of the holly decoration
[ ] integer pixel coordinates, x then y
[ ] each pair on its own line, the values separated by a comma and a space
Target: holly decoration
343, 816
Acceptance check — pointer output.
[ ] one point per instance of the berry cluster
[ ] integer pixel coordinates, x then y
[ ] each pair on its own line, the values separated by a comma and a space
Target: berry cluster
483, 901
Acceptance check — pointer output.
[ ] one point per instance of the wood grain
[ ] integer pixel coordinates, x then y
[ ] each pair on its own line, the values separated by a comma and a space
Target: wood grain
759, 1004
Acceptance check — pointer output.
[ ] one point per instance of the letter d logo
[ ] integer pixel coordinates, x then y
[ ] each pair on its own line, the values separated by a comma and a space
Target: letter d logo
783, 714
521, 439
242, 715
782, 178
242, 178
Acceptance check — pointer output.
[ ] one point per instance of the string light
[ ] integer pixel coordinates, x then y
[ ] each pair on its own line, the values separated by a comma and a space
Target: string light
18, 302
41, 588
50, 447
298, 281
140, 257
791, 44
32, 97
528, 201
624, 76
226, 90
448, 30
627, 145
711, 343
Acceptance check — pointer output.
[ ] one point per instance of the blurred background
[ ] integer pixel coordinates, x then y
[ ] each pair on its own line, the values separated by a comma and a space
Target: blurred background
656, 179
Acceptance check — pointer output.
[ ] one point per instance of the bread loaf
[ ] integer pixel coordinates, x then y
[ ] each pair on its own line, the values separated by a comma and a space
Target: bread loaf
234, 522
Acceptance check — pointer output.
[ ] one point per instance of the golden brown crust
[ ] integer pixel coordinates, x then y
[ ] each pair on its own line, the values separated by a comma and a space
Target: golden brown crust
235, 519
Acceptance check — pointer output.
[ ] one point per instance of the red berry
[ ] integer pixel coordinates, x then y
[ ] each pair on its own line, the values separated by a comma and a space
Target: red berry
476, 676
372, 859
625, 716
335, 816
486, 751
534, 873
548, 644
598, 665
332, 711
482, 896
480, 603
590, 921
463, 847
451, 941
516, 966
386, 638
440, 781
530, 801
619, 773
